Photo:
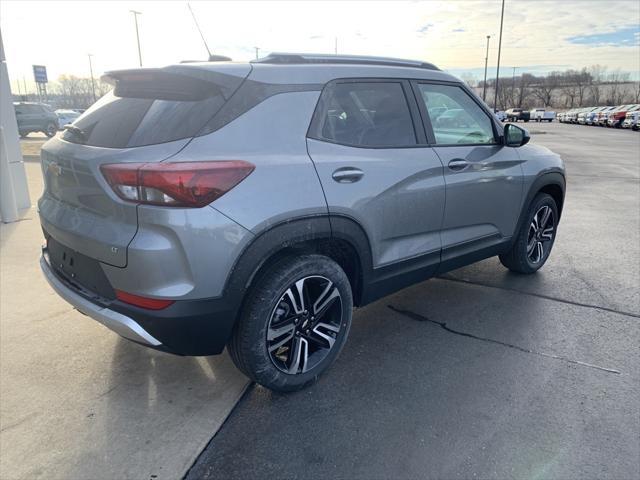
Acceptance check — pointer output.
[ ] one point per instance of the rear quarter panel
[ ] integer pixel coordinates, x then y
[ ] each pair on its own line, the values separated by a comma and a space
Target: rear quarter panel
272, 136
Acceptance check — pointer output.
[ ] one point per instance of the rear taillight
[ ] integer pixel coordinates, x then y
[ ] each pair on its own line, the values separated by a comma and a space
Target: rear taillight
143, 302
180, 184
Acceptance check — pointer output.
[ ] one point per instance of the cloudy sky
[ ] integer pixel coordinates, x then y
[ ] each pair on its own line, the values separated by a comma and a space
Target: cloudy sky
539, 35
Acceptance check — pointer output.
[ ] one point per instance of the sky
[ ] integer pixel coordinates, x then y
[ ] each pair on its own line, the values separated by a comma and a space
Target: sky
538, 36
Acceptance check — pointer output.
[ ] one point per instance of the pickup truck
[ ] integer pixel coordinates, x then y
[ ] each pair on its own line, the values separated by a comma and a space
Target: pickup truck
632, 120
616, 118
541, 115
515, 114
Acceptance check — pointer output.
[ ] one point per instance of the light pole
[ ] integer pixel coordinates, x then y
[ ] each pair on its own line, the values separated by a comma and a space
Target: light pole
93, 84
486, 60
495, 100
336, 46
135, 17
513, 85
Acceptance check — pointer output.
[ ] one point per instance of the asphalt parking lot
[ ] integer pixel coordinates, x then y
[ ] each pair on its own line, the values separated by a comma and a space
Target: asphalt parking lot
481, 373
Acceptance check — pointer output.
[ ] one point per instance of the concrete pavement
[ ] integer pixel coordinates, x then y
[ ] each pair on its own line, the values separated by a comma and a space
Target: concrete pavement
79, 402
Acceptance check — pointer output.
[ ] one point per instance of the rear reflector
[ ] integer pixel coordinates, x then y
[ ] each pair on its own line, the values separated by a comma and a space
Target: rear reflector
179, 184
143, 302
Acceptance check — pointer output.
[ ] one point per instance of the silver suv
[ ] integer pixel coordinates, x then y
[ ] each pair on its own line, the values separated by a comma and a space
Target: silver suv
253, 205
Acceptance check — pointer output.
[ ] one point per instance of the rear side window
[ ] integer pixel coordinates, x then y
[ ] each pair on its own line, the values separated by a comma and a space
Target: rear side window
364, 114
455, 117
145, 113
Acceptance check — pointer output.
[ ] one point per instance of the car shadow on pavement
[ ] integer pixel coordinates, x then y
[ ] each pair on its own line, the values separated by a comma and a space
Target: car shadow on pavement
155, 415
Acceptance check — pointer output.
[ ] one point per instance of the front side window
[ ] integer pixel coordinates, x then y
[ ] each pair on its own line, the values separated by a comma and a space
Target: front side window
365, 114
455, 117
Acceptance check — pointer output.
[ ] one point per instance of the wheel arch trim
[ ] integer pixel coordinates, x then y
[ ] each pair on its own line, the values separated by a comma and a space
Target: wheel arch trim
288, 234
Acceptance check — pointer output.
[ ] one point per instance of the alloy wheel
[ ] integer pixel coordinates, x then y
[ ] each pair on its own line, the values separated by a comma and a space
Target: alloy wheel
304, 325
541, 232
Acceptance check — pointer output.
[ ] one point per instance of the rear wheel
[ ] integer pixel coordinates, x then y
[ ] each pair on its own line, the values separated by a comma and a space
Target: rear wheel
294, 323
51, 130
534, 241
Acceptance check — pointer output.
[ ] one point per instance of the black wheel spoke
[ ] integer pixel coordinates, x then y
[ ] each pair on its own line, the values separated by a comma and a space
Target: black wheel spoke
541, 232
305, 324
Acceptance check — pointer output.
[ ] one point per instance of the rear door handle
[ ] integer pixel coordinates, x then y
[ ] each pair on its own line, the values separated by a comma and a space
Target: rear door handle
347, 175
458, 164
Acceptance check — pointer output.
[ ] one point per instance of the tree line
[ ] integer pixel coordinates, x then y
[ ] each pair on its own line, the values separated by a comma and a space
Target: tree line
70, 91
592, 86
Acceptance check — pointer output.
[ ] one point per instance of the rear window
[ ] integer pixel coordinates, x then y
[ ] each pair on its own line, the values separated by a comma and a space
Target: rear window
365, 114
142, 112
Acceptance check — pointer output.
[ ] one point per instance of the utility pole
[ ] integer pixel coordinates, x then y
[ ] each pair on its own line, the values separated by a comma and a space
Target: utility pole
513, 85
495, 100
135, 17
486, 60
335, 48
93, 84
257, 52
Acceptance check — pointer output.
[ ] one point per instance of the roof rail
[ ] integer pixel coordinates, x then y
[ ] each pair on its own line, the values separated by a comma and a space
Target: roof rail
319, 58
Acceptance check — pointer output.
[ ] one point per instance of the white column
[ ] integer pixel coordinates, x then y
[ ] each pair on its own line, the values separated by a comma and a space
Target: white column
13, 184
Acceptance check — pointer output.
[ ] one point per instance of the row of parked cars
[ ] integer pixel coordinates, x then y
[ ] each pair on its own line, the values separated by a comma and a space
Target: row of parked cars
620, 116
40, 117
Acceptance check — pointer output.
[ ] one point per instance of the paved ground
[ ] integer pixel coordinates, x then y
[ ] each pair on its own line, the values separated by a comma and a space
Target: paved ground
482, 373
77, 402
479, 374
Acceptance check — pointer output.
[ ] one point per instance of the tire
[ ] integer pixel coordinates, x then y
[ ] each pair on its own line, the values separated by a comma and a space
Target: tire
532, 245
50, 130
278, 342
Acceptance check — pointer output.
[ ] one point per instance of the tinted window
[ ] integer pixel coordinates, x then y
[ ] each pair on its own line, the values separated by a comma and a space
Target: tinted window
27, 109
455, 117
373, 114
119, 122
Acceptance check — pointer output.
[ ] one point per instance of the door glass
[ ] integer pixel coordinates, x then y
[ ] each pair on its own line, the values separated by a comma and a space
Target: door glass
455, 117
373, 114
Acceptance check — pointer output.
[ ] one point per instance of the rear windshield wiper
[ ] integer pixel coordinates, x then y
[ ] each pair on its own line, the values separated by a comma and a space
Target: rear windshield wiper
76, 131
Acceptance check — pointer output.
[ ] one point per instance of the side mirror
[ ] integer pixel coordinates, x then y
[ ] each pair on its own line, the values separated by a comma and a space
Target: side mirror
515, 136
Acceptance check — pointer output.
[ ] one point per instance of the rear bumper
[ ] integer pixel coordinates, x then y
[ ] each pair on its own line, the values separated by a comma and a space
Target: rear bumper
119, 323
188, 327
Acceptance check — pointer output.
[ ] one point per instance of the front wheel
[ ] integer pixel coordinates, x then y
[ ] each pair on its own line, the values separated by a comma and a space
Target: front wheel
294, 322
534, 240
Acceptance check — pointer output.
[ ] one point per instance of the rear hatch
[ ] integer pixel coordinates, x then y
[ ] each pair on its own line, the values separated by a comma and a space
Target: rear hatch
149, 116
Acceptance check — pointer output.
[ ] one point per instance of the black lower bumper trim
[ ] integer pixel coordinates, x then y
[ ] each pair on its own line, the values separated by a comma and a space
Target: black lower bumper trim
188, 327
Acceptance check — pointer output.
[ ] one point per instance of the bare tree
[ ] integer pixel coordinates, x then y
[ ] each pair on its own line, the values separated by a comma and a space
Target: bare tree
470, 79
524, 88
597, 72
545, 87
636, 92
75, 92
616, 91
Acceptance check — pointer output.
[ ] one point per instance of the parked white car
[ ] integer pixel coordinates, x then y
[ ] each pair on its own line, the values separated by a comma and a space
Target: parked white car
66, 116
541, 115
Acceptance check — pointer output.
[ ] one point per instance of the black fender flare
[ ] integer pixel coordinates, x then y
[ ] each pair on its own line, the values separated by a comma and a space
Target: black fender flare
288, 234
543, 180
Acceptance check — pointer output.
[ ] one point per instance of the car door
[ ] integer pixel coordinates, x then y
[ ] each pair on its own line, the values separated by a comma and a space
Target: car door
370, 152
24, 117
483, 178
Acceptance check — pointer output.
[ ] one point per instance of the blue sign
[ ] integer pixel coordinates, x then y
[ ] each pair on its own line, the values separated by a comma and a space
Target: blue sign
40, 73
